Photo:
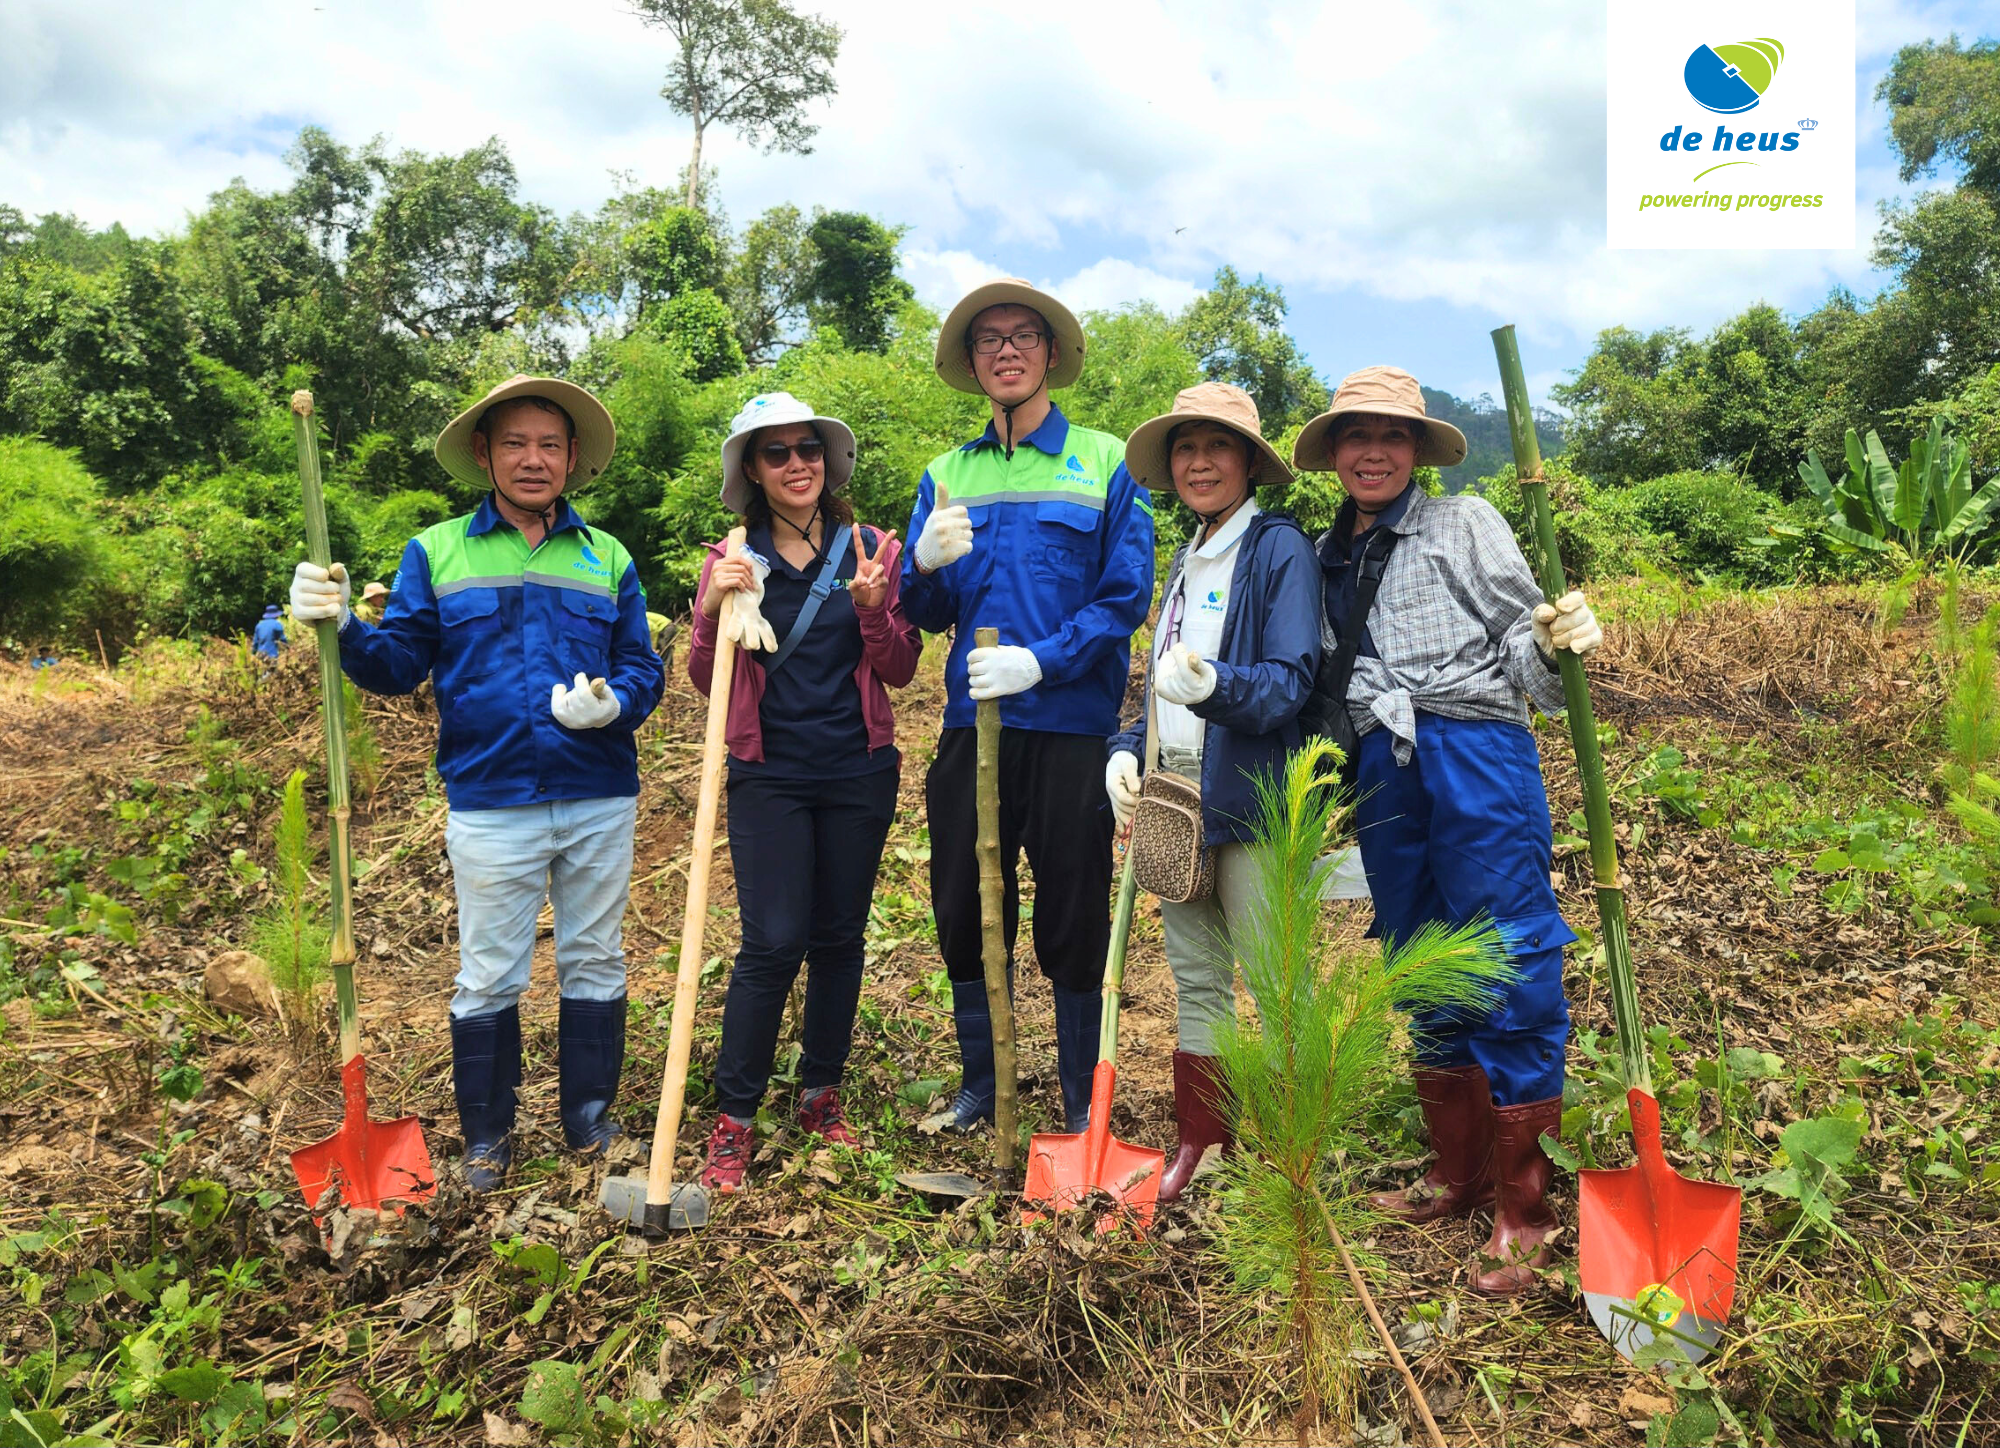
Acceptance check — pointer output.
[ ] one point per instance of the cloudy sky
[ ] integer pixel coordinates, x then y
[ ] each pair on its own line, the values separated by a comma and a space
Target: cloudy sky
1412, 172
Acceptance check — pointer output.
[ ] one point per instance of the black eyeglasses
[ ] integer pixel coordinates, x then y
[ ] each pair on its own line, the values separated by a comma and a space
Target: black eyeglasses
988, 343
777, 454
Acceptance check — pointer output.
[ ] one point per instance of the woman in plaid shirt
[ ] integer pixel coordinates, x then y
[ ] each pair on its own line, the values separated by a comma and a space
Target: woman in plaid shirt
1451, 816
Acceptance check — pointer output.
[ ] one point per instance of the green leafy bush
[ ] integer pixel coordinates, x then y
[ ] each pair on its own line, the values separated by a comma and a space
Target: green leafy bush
1597, 529
1704, 521
52, 556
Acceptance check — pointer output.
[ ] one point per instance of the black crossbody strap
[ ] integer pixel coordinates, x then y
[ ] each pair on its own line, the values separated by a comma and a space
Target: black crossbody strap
1374, 563
822, 586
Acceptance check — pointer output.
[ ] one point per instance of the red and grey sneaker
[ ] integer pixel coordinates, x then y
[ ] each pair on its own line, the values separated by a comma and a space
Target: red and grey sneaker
729, 1148
821, 1114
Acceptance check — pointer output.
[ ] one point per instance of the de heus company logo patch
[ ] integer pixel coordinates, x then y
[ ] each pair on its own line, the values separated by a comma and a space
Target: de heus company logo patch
1730, 79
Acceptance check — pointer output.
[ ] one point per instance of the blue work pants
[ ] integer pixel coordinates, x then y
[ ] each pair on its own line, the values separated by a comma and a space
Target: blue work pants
1459, 833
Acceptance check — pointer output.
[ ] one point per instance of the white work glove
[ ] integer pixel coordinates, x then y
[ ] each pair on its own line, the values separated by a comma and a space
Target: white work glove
1121, 782
742, 618
947, 537
319, 593
1184, 677
1567, 623
587, 704
1004, 669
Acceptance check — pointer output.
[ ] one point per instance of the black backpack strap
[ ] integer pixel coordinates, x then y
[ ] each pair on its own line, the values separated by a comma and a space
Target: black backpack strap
822, 587
1374, 563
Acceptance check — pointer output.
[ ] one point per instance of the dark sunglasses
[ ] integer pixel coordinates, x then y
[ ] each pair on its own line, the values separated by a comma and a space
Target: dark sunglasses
777, 454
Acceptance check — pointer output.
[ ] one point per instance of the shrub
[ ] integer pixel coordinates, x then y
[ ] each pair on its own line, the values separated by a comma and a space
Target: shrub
53, 559
1704, 521
1597, 530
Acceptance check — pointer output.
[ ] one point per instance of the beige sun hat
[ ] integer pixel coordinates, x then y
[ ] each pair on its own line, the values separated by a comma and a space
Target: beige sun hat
596, 437
774, 409
956, 368
1218, 402
1386, 392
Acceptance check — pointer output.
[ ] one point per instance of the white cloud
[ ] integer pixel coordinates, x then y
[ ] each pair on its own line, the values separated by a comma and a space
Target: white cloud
1447, 150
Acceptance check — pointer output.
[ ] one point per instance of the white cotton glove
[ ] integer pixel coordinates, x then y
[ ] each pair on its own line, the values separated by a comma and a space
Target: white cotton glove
1005, 669
1121, 782
587, 704
743, 619
1569, 624
947, 537
319, 593
1184, 677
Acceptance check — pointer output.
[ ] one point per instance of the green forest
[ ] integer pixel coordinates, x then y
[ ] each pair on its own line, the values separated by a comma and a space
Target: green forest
145, 452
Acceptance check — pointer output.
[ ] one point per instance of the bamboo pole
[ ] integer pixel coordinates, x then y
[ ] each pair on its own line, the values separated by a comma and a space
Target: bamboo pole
1582, 721
993, 939
333, 715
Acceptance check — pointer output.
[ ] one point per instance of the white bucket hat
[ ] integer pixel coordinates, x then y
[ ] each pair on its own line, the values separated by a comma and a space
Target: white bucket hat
596, 437
775, 409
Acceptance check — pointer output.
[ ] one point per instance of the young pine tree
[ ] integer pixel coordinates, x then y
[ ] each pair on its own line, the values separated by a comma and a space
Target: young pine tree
1313, 1067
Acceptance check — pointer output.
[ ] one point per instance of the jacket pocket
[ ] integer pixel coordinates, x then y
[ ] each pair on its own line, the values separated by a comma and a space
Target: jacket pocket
586, 620
470, 623
1063, 547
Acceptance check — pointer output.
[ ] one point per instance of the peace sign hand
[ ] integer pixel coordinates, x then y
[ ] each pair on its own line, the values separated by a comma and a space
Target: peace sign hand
870, 584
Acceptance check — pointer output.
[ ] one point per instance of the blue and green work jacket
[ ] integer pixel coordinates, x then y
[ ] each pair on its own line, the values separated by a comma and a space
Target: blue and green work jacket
497, 625
1061, 563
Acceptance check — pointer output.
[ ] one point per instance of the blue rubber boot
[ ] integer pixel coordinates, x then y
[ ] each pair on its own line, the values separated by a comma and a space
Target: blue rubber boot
485, 1070
973, 1019
1079, 1013
590, 1038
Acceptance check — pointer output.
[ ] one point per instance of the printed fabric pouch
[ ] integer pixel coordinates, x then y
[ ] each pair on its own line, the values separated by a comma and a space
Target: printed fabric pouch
1168, 856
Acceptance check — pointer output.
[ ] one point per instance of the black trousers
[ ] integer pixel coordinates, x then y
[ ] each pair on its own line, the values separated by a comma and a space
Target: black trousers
1052, 805
805, 853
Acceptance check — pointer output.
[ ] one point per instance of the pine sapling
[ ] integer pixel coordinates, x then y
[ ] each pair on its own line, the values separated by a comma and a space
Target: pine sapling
290, 935
1318, 1061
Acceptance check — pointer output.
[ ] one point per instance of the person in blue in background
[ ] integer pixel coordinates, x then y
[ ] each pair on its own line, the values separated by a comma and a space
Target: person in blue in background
269, 635
1233, 663
531, 626
1034, 528
1451, 814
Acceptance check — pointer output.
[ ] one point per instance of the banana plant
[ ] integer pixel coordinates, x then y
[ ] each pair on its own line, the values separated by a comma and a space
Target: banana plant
1926, 510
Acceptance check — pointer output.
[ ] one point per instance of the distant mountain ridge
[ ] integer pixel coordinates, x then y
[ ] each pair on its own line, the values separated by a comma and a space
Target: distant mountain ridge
1488, 447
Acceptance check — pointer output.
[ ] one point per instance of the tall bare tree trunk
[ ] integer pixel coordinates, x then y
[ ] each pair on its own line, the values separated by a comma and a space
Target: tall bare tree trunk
694, 164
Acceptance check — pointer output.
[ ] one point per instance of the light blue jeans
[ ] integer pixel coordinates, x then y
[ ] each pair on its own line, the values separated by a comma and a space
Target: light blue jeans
576, 853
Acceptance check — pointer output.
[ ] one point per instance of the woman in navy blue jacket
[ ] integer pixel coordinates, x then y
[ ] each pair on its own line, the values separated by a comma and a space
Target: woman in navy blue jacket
1232, 664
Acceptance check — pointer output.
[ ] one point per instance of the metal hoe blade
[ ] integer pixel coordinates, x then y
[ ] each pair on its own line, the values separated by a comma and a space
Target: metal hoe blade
624, 1197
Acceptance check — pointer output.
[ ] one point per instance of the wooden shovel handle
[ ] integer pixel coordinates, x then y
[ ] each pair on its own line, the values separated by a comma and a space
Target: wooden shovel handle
694, 920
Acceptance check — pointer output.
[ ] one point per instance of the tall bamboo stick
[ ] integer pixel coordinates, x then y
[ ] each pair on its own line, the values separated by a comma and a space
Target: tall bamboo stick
333, 715
1582, 721
993, 939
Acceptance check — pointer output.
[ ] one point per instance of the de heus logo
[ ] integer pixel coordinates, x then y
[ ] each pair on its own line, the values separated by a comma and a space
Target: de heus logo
1730, 79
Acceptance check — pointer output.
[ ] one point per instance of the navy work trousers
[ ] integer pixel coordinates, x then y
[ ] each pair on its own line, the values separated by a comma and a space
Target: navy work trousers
1460, 832
805, 853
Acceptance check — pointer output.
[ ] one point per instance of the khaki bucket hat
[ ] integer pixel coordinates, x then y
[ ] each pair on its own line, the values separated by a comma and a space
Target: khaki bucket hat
1386, 392
596, 437
1218, 402
956, 368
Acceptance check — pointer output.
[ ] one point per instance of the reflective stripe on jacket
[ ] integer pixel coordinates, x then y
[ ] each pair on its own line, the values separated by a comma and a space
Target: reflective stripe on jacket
1061, 563
496, 625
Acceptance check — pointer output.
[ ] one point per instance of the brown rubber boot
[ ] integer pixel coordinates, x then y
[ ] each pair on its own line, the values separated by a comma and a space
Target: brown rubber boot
1458, 1108
1199, 1092
1522, 1218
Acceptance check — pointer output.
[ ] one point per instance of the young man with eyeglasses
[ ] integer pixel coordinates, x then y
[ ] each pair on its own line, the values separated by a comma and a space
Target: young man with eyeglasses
1033, 528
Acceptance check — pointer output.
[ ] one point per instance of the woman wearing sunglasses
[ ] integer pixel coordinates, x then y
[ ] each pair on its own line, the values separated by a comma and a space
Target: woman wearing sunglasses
813, 766
1232, 664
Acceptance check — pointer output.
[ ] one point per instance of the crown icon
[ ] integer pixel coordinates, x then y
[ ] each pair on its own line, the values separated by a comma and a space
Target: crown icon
1808, 125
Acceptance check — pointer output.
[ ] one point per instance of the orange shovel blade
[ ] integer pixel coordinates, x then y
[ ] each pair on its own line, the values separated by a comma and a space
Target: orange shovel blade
1656, 1252
374, 1163
1065, 1170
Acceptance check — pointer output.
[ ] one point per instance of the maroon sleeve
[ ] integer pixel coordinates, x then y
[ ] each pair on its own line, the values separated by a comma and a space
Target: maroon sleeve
891, 642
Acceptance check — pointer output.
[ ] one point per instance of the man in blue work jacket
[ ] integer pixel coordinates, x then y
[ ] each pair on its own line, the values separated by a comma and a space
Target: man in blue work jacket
1034, 528
532, 627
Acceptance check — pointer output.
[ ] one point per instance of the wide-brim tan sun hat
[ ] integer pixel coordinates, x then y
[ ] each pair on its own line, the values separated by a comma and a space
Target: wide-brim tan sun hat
596, 436
374, 591
1386, 392
1217, 402
775, 409
955, 367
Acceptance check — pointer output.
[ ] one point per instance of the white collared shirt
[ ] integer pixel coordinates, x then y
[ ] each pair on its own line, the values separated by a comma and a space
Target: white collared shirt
1203, 590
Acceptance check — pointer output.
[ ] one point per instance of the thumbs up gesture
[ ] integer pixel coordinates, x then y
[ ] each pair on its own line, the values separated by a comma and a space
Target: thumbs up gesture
870, 584
947, 535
